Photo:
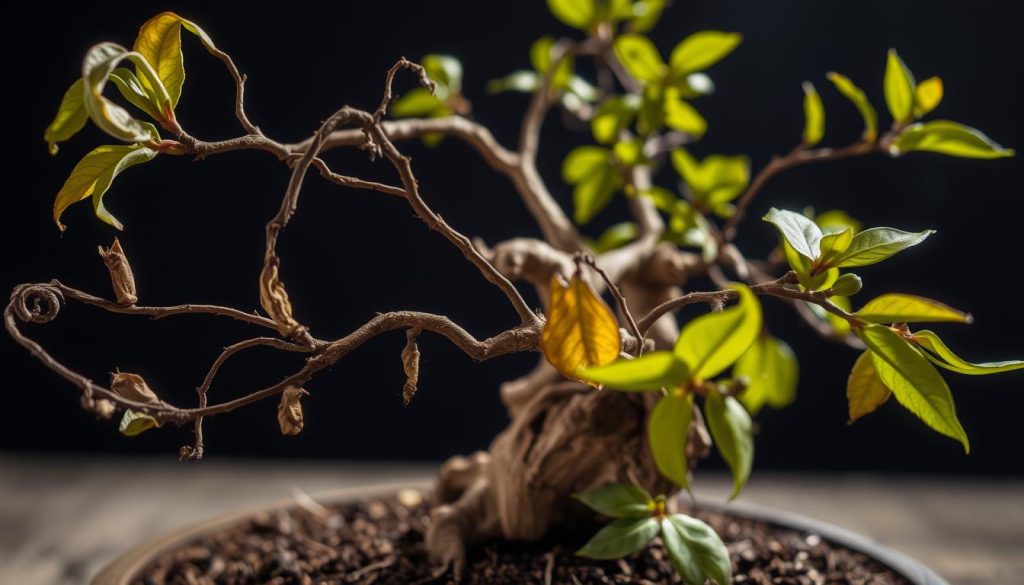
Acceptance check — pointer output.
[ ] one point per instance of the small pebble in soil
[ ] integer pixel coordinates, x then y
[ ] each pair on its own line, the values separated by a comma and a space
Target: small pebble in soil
380, 542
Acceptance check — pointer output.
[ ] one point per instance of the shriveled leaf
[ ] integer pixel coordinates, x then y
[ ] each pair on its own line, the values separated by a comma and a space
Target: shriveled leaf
899, 88
696, 551
667, 430
865, 391
904, 308
640, 57
93, 175
942, 356
71, 117
771, 370
289, 410
914, 381
814, 116
652, 371
621, 538
613, 116
417, 102
579, 14
733, 436
581, 330
522, 81
592, 194
946, 137
274, 297
876, 244
802, 234
135, 423
928, 96
133, 387
619, 500
701, 50
856, 95
122, 279
711, 343
681, 116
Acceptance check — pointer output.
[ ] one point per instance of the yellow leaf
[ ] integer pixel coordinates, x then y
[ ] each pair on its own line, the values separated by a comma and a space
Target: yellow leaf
864, 389
581, 330
159, 42
928, 96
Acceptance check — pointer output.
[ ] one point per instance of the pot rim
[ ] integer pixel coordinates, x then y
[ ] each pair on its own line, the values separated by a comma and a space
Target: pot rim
123, 569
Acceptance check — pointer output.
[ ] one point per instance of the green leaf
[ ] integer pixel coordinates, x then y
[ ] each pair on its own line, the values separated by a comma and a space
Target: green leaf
579, 14
733, 435
904, 308
876, 244
93, 176
833, 245
667, 431
651, 115
865, 391
613, 116
135, 423
771, 370
615, 237
847, 285
100, 62
593, 194
836, 220
715, 180
541, 58
629, 152
801, 233
159, 44
417, 102
942, 356
71, 117
652, 371
583, 162
927, 96
899, 88
646, 14
914, 381
814, 116
701, 50
621, 538
663, 199
524, 81
619, 500
445, 70
711, 343
640, 57
697, 553
132, 90
681, 116
946, 137
855, 95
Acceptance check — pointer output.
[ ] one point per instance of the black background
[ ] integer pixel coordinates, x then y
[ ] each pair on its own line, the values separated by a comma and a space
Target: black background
194, 230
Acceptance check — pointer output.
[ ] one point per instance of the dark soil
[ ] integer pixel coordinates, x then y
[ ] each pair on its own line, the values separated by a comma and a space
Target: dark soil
381, 542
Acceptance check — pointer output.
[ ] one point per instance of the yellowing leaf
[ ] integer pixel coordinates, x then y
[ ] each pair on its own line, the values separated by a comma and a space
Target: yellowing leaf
855, 95
71, 117
942, 356
134, 423
732, 432
927, 96
814, 116
865, 391
711, 343
899, 88
581, 330
159, 42
652, 371
904, 308
770, 368
667, 431
950, 138
702, 50
93, 176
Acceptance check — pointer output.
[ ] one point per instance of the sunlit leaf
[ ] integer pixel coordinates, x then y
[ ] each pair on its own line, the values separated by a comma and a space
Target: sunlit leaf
904, 308
942, 356
847, 285
855, 95
159, 43
814, 116
771, 370
833, 245
802, 234
619, 500
445, 70
71, 117
99, 63
640, 57
716, 179
928, 96
135, 423
646, 14
579, 14
701, 50
914, 381
663, 199
946, 137
629, 152
581, 330
93, 175
582, 162
132, 90
733, 436
541, 58
652, 371
667, 431
696, 551
613, 116
876, 244
711, 343
865, 391
615, 237
621, 538
681, 116
899, 88
417, 102
523, 81
836, 220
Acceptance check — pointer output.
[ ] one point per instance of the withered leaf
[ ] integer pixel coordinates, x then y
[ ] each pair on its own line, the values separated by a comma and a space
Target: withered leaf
274, 298
289, 411
581, 330
132, 387
121, 276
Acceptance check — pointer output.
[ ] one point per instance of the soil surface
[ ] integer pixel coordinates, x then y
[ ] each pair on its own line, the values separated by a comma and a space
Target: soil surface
381, 542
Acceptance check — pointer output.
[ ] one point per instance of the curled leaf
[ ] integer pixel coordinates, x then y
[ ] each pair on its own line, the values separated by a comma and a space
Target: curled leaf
159, 43
289, 411
97, 67
133, 387
411, 366
71, 117
865, 391
134, 423
93, 175
121, 276
814, 116
580, 331
950, 138
939, 354
857, 97
274, 297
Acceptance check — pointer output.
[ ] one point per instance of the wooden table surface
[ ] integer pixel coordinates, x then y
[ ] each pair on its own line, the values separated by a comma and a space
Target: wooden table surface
61, 519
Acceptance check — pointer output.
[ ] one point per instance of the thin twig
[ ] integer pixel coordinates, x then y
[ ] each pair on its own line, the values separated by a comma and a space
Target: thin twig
620, 300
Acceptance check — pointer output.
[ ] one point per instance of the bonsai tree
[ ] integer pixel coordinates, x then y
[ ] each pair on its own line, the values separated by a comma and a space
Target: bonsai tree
623, 402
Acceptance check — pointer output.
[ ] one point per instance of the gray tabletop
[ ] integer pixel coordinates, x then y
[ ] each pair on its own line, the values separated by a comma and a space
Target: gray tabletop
63, 518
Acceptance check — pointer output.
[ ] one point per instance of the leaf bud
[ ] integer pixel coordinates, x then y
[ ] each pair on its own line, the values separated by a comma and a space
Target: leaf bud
847, 285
